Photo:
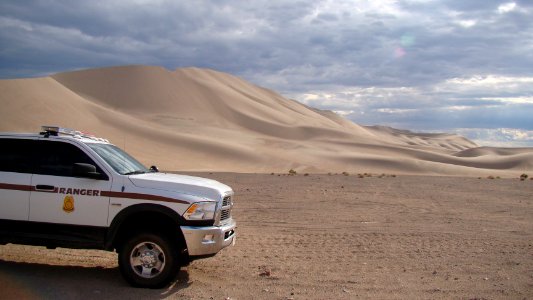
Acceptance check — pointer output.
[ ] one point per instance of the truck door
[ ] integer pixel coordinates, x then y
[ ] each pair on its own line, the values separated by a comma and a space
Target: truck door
61, 196
15, 178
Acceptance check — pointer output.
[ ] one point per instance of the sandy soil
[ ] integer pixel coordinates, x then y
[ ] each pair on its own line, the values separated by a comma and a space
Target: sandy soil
328, 237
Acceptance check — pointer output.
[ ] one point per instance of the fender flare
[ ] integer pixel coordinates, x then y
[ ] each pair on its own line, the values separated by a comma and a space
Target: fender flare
123, 215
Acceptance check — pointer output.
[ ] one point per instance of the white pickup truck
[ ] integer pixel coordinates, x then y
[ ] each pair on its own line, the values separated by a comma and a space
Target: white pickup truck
62, 188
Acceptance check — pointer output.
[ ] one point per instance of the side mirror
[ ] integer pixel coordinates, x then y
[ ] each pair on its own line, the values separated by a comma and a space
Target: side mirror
154, 169
86, 171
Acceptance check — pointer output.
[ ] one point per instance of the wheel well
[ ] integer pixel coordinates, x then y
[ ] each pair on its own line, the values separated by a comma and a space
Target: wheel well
141, 220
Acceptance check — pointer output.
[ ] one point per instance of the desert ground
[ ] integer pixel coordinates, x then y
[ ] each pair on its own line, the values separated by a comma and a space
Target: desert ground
327, 237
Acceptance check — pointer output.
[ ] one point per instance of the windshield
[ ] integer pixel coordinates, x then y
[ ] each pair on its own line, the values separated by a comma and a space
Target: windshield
119, 160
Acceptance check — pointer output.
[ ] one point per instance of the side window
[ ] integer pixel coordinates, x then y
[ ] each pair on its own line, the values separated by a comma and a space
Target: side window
58, 158
16, 155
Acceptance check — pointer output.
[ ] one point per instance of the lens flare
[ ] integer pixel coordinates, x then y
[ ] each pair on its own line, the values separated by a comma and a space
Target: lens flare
407, 40
399, 52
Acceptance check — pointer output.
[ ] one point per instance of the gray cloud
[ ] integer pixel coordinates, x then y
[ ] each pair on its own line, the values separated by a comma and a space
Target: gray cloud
402, 63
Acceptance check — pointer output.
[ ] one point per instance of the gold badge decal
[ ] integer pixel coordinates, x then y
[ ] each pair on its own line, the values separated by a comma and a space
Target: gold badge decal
68, 204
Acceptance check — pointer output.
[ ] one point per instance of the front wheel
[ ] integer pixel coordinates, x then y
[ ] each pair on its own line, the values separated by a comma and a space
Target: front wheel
148, 260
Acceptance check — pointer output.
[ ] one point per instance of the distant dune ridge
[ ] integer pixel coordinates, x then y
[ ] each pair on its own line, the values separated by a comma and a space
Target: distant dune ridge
203, 120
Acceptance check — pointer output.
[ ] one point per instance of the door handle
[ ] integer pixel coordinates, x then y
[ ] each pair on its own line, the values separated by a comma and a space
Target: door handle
45, 188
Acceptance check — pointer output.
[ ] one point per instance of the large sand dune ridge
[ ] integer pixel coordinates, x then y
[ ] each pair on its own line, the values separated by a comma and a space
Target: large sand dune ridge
204, 120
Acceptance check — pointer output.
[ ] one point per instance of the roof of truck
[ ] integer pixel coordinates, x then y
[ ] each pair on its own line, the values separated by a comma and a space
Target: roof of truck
55, 132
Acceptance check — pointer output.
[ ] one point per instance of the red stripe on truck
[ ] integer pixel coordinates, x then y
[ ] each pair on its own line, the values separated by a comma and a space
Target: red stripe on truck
136, 196
141, 197
16, 187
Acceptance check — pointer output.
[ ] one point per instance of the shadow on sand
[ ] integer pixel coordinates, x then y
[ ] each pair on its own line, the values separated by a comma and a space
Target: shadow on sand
36, 281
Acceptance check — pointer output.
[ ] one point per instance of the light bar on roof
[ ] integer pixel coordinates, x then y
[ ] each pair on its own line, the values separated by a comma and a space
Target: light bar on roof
50, 129
56, 130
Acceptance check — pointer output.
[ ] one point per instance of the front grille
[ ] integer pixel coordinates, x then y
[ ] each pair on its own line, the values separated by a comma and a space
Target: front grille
225, 212
226, 201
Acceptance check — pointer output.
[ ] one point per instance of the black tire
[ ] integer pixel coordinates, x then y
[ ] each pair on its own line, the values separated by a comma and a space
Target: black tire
148, 260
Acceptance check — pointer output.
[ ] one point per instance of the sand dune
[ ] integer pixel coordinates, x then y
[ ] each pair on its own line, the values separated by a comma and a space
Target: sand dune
483, 151
203, 120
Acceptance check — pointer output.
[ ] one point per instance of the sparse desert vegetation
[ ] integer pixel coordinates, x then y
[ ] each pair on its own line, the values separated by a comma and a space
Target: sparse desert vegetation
383, 175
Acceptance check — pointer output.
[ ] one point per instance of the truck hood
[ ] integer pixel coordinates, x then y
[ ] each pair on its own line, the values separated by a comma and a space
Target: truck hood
202, 187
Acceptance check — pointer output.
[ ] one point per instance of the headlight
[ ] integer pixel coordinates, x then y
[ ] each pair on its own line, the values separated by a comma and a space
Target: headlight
201, 211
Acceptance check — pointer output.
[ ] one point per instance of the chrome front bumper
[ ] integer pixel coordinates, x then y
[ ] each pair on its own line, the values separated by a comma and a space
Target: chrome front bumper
208, 240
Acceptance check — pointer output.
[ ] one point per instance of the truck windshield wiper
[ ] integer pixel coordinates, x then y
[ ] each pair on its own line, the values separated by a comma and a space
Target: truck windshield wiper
135, 172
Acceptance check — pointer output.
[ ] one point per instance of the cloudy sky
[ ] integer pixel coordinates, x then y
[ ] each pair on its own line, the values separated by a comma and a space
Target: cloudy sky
425, 65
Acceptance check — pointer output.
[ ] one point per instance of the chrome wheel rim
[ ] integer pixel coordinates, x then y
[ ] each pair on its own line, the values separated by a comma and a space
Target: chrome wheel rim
147, 259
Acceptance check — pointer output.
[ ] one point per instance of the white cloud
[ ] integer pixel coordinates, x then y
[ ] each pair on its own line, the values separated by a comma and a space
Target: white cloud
506, 7
512, 100
467, 23
486, 80
344, 113
395, 110
505, 89
457, 107
501, 137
